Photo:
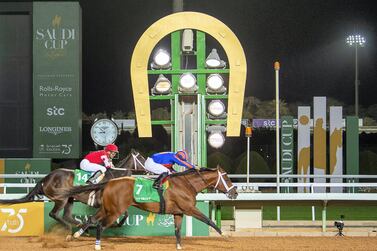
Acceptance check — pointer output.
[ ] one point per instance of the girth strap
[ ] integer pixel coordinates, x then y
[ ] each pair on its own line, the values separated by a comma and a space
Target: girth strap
162, 201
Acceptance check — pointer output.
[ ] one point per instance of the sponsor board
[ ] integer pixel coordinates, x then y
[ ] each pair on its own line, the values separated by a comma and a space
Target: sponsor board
138, 223
25, 166
25, 219
57, 80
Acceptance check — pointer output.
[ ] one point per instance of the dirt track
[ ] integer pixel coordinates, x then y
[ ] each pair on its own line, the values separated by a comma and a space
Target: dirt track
55, 243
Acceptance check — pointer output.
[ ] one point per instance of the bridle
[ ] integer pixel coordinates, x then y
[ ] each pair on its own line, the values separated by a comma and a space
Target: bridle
221, 178
135, 160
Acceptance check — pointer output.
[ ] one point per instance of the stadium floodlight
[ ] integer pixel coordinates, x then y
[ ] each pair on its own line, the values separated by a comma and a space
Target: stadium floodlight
215, 84
187, 83
161, 60
213, 60
353, 40
356, 41
162, 86
216, 138
216, 109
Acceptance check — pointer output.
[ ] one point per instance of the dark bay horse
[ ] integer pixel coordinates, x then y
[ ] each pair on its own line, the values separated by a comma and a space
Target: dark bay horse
180, 199
62, 179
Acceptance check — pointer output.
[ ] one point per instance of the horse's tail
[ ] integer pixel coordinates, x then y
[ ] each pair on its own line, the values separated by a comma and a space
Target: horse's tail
81, 189
37, 190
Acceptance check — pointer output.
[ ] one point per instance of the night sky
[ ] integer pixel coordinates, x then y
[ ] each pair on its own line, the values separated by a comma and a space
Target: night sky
307, 37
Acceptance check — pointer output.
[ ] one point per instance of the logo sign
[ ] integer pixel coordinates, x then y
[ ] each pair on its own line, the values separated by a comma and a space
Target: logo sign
56, 80
22, 219
287, 154
55, 111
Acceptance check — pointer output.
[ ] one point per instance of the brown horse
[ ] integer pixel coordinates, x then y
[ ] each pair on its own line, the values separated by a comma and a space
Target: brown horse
180, 199
62, 179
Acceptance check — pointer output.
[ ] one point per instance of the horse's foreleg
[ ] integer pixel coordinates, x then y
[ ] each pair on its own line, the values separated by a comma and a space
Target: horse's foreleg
59, 205
200, 216
67, 216
178, 224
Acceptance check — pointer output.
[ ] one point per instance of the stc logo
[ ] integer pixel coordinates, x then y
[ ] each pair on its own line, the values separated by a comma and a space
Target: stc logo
55, 111
13, 226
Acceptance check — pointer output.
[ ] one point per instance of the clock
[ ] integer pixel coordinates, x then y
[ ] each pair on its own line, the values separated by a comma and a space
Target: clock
104, 132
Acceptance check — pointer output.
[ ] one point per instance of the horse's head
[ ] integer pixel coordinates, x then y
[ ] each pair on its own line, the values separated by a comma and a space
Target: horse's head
224, 184
136, 162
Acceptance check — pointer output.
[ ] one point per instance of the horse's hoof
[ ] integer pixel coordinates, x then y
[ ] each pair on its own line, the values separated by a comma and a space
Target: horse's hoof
179, 247
68, 237
77, 235
97, 247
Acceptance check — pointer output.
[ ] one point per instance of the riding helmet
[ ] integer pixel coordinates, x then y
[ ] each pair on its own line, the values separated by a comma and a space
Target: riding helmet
112, 148
182, 155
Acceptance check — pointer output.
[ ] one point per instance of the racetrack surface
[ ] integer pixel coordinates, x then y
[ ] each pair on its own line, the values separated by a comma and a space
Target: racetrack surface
57, 242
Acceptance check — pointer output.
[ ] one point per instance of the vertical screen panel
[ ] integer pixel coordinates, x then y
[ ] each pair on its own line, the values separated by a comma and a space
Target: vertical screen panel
15, 85
303, 145
336, 146
319, 137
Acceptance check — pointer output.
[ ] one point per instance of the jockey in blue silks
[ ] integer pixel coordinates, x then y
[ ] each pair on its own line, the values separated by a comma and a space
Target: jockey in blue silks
162, 164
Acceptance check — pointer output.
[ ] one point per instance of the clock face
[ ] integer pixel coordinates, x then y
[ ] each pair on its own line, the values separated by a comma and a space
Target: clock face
103, 132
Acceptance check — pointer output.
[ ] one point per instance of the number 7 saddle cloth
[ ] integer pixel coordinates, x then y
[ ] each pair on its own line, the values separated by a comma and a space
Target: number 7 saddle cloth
144, 192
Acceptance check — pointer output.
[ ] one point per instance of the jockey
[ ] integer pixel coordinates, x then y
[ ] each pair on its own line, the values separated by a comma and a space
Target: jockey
99, 162
162, 163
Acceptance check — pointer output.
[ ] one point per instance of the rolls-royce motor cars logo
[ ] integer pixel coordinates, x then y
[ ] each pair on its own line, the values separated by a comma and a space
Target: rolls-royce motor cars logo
55, 91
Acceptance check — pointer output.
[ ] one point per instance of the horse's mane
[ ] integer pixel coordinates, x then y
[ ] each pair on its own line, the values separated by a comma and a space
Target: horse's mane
192, 170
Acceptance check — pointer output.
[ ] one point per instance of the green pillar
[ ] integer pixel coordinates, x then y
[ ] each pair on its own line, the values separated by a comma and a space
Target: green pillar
352, 146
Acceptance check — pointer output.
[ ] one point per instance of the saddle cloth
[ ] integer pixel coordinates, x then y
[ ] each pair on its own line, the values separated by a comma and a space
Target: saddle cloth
144, 192
81, 177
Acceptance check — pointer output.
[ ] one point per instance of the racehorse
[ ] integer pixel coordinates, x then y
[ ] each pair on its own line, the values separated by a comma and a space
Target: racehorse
62, 179
180, 199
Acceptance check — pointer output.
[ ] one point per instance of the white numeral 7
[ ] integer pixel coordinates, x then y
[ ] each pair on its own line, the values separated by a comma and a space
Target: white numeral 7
139, 187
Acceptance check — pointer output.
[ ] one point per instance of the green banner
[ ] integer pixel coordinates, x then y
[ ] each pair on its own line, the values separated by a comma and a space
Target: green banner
287, 155
25, 166
57, 79
138, 223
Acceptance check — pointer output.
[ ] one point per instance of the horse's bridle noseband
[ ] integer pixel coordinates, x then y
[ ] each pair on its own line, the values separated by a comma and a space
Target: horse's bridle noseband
221, 178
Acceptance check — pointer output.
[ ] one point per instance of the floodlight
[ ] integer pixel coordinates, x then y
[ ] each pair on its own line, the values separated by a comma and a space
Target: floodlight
216, 108
161, 60
215, 84
355, 40
213, 60
162, 86
216, 138
187, 83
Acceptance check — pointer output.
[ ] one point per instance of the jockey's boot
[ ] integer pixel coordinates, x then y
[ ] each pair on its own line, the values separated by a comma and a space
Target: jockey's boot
96, 177
157, 182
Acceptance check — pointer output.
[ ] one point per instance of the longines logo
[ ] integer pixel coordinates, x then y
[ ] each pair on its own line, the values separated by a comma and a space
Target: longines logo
55, 91
55, 130
55, 111
55, 37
